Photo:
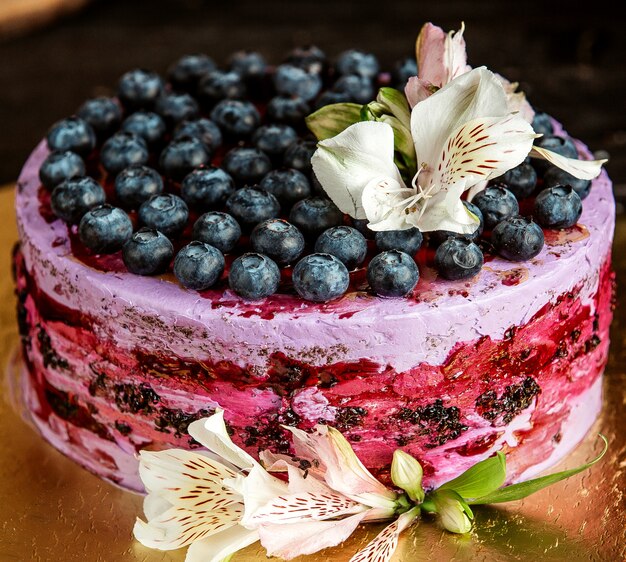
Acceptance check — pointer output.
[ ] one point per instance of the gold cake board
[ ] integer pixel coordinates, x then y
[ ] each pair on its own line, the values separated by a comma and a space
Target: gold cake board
51, 509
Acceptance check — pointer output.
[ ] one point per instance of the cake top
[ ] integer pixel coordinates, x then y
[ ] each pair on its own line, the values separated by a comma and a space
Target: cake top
312, 180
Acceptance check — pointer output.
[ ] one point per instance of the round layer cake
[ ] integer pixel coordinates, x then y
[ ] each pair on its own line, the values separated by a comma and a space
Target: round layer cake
509, 361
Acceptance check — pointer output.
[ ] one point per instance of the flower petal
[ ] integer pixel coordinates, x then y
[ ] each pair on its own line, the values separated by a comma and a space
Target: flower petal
417, 90
344, 164
381, 549
221, 546
383, 204
582, 169
517, 100
211, 432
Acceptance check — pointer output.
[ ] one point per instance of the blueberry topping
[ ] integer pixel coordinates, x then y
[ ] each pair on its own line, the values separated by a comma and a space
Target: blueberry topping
72, 198
145, 124
198, 266
357, 62
205, 188
329, 97
103, 114
73, 134
495, 203
439, 236
236, 118
286, 109
148, 252
320, 278
274, 139
313, 215
136, 184
183, 155
520, 181
175, 108
217, 229
298, 155
278, 239
403, 70
105, 229
362, 225
288, 185
458, 258
555, 176
187, 71
290, 80
408, 241
166, 213
219, 85
203, 129
139, 89
558, 207
347, 244
517, 238
392, 274
358, 89
60, 166
254, 276
248, 63
542, 123
251, 205
310, 58
246, 165
123, 150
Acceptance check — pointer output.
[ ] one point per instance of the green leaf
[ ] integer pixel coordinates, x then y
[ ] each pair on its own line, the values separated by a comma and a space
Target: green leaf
396, 104
331, 120
524, 489
481, 479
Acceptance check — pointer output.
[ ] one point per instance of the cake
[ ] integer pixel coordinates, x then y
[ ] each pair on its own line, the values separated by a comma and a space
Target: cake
509, 359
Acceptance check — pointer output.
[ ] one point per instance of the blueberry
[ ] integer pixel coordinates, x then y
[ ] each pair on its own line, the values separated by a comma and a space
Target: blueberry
285, 109
183, 155
176, 108
105, 229
198, 266
358, 89
217, 229
290, 80
347, 244
404, 69
517, 238
123, 150
288, 185
278, 239
298, 155
205, 188
357, 62
555, 176
439, 236
166, 213
136, 184
187, 71
248, 63
60, 166
495, 203
320, 277
561, 145
310, 58
254, 276
362, 225
204, 129
458, 258
274, 139
139, 89
147, 125
329, 97
558, 207
250, 206
392, 274
520, 181
542, 123
219, 85
103, 114
313, 215
246, 165
72, 198
148, 252
408, 241
236, 118
73, 134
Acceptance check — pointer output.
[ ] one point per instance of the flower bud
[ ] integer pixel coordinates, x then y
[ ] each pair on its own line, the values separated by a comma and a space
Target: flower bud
406, 473
456, 516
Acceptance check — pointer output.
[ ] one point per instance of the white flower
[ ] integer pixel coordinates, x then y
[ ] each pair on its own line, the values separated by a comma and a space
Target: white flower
221, 501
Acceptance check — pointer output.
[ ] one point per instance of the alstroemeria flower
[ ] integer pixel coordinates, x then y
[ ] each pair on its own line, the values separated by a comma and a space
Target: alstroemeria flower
221, 501
463, 134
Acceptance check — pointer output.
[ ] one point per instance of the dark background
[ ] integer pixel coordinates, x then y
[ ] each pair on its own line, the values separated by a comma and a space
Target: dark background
568, 56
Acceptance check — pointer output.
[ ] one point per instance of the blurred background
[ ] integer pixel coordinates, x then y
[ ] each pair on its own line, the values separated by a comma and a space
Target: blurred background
568, 56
